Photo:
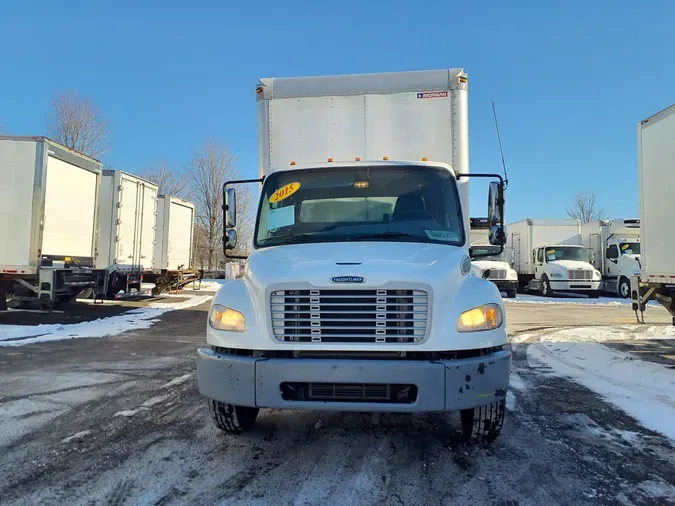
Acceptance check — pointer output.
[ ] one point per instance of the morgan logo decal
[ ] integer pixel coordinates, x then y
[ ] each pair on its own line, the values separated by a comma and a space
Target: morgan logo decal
433, 94
347, 279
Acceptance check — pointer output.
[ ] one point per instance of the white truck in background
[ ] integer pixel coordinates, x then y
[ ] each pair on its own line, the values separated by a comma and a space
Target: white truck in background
656, 173
493, 262
48, 222
549, 257
614, 248
126, 242
358, 294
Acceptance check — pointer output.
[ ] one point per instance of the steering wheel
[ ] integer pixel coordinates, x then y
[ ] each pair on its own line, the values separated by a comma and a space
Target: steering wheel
412, 215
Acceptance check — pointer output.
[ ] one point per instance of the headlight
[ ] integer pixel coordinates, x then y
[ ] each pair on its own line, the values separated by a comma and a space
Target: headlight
597, 275
485, 317
556, 275
224, 318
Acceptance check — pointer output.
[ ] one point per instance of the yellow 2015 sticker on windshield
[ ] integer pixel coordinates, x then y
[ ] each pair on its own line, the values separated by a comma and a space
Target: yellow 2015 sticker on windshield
284, 192
625, 247
550, 252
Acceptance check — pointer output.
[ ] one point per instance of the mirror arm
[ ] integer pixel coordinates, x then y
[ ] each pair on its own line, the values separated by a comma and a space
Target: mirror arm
224, 207
500, 204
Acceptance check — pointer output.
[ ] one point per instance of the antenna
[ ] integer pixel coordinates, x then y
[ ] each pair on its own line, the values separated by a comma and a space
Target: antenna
501, 151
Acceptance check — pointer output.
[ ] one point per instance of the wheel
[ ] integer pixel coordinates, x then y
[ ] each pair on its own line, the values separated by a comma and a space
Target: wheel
232, 419
546, 287
624, 288
511, 294
483, 423
594, 294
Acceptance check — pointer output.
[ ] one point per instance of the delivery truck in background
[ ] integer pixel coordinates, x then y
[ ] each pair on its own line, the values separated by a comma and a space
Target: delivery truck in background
48, 222
127, 217
549, 257
614, 248
493, 262
358, 294
656, 174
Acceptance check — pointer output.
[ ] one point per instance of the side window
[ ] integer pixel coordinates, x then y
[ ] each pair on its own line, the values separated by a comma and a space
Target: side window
540, 256
613, 251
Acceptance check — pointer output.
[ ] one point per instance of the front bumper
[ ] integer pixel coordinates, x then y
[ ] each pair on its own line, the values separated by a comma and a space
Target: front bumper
575, 285
505, 285
442, 385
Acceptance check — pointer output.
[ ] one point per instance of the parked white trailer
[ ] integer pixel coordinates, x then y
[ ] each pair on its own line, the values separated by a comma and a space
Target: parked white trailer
358, 294
172, 259
127, 216
549, 257
494, 261
656, 171
614, 248
48, 220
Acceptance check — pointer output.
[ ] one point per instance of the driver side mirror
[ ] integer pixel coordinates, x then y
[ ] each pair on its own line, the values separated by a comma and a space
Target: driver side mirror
495, 214
230, 208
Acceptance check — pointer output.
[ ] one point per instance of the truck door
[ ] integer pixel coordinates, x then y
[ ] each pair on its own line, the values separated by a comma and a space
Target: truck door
612, 269
539, 263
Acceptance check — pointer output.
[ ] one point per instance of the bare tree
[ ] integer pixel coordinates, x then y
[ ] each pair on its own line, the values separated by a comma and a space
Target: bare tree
585, 208
210, 166
76, 123
169, 180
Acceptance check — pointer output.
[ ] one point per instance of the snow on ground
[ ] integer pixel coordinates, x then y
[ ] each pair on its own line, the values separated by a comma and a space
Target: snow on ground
571, 299
142, 318
644, 390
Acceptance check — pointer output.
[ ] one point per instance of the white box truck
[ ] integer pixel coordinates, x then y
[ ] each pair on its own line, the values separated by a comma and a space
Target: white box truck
358, 294
172, 259
493, 262
48, 221
126, 243
656, 172
614, 248
549, 257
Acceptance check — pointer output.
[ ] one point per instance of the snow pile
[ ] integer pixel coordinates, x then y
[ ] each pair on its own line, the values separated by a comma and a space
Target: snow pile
136, 319
577, 300
644, 390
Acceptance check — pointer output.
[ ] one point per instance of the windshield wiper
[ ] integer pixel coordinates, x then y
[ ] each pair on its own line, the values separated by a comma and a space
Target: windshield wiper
292, 238
384, 235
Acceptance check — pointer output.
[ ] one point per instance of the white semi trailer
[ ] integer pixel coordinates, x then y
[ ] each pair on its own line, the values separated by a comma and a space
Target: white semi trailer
126, 242
358, 294
493, 262
549, 257
656, 172
614, 248
48, 221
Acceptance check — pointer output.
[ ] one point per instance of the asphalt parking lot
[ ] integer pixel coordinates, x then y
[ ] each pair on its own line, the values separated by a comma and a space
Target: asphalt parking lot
118, 420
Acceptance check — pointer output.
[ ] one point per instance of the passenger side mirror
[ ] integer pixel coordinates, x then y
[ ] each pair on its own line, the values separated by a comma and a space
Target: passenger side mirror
495, 214
230, 208
230, 239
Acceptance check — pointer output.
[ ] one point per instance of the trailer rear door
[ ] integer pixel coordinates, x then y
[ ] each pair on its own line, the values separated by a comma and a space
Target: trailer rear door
180, 236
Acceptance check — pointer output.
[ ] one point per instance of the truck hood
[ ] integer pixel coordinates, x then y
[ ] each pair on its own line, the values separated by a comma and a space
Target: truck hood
490, 264
378, 262
573, 264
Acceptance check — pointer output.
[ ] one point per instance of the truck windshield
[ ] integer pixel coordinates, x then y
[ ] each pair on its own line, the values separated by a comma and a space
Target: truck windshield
630, 248
392, 203
489, 253
566, 253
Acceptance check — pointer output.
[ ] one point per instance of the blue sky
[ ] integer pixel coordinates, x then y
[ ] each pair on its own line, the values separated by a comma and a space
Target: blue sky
570, 82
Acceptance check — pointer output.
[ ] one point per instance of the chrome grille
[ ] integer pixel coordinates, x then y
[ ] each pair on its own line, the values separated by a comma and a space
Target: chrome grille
580, 274
349, 316
497, 274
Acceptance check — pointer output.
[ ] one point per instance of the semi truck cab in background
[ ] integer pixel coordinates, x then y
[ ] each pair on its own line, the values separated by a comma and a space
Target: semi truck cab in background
358, 294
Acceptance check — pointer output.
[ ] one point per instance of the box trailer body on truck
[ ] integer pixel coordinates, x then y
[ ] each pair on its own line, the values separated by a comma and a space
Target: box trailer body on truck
549, 257
614, 248
656, 172
358, 294
48, 221
496, 263
127, 216
172, 260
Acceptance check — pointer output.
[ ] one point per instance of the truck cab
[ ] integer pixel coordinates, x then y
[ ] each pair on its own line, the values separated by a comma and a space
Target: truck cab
564, 267
492, 262
622, 262
357, 295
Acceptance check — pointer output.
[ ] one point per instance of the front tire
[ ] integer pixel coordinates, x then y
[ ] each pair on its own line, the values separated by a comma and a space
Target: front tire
483, 423
595, 294
232, 419
546, 287
624, 288
511, 294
